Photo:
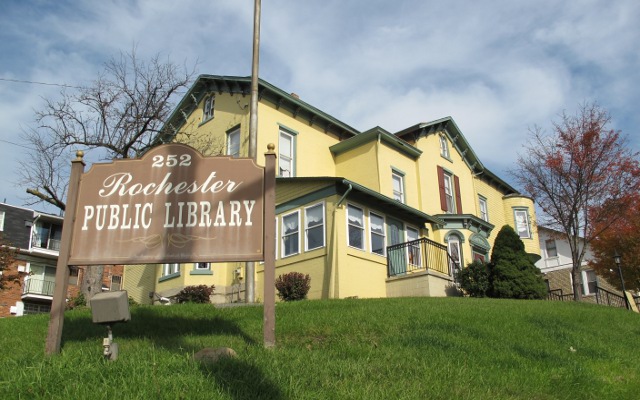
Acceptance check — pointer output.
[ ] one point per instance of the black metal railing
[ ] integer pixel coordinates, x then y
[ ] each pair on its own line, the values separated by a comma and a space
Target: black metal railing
607, 298
38, 287
557, 295
420, 254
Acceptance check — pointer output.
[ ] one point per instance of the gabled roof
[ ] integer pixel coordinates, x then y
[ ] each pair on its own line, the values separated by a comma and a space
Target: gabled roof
448, 126
373, 134
206, 84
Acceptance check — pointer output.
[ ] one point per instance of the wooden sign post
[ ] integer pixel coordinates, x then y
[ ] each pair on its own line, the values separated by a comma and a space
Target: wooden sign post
170, 206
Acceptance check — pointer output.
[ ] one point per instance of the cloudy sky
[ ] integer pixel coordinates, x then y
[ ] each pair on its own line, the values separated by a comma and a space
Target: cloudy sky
497, 67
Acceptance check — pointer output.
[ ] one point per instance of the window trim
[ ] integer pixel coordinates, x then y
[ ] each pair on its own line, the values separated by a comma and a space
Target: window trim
361, 229
547, 247
198, 270
285, 235
450, 197
399, 176
208, 108
230, 132
458, 240
383, 235
517, 211
586, 291
413, 249
444, 147
321, 225
2, 217
170, 271
292, 159
484, 214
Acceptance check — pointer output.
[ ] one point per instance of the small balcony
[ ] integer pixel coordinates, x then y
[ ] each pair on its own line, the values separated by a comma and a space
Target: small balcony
37, 288
48, 244
418, 255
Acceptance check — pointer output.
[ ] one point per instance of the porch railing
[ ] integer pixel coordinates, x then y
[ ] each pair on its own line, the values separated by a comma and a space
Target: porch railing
420, 254
38, 287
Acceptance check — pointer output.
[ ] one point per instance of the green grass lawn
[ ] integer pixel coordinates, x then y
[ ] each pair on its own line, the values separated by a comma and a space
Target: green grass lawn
412, 348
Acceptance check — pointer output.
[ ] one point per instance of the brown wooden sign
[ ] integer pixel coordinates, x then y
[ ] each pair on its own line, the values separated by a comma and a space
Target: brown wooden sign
171, 205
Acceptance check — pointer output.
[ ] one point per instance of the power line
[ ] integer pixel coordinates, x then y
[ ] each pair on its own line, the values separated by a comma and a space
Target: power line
40, 83
17, 144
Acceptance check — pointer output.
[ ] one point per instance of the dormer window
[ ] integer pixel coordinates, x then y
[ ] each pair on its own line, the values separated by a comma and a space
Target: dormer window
209, 106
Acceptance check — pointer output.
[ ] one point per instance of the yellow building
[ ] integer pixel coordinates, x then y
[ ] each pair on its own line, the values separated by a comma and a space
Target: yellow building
365, 214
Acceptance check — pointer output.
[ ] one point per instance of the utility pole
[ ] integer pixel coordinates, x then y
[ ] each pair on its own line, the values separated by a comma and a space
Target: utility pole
250, 282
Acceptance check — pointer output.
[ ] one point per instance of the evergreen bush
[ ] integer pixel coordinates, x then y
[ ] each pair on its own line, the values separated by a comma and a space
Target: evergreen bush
512, 273
474, 279
293, 286
195, 294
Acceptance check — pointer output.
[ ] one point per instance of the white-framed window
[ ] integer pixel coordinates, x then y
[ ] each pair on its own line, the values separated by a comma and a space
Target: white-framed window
170, 269
398, 185
314, 226
455, 252
116, 283
291, 234
449, 193
484, 210
550, 247
209, 106
233, 143
376, 229
444, 146
355, 227
202, 266
522, 223
589, 282
1, 221
286, 156
413, 251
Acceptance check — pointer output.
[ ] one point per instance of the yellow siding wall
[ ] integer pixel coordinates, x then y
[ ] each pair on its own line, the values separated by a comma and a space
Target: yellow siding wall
210, 137
495, 207
389, 159
313, 157
360, 165
531, 245
139, 281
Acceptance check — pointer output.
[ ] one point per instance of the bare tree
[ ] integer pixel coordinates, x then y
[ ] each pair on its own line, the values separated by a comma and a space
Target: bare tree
118, 116
580, 175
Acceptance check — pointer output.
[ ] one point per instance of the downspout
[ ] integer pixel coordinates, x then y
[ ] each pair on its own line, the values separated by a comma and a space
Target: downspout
344, 196
334, 290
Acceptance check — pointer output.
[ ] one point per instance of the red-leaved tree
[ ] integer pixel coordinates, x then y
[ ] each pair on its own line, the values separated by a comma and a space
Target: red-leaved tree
623, 238
581, 175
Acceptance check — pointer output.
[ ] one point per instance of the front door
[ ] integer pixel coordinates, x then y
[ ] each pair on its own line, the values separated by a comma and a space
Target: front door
397, 257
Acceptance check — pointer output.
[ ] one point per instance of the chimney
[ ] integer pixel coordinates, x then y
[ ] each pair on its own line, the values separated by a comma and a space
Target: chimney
295, 96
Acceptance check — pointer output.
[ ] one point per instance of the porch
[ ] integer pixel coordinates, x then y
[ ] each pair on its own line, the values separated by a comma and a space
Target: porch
420, 267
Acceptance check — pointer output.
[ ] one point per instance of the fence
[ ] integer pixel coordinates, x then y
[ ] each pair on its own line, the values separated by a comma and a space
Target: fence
420, 254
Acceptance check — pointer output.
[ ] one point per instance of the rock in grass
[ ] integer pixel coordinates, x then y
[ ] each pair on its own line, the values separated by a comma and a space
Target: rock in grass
209, 355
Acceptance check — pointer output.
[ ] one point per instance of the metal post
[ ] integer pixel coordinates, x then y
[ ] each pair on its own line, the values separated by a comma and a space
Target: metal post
269, 248
56, 319
253, 133
618, 259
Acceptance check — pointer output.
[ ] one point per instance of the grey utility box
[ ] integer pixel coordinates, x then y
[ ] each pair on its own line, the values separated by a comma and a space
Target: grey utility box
110, 307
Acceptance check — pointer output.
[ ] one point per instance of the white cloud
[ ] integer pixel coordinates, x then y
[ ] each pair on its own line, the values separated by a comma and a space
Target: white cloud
497, 68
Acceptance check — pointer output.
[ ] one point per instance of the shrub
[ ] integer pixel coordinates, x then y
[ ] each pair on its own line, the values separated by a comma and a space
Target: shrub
513, 274
293, 286
474, 279
77, 301
195, 294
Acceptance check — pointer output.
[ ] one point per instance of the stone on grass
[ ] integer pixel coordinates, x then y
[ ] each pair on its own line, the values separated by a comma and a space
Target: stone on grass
210, 355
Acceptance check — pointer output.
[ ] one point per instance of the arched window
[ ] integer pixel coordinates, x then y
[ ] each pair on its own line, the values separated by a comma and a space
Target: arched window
455, 253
